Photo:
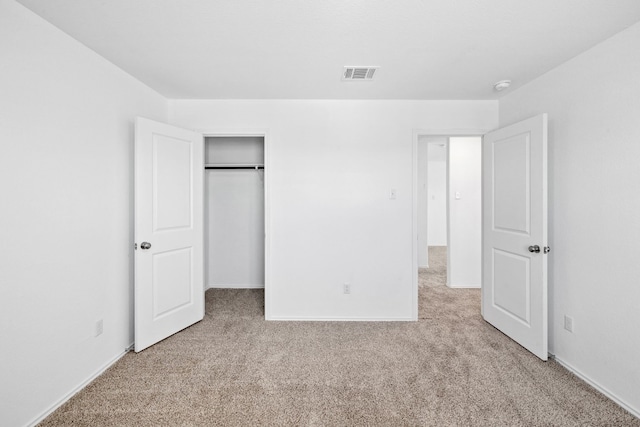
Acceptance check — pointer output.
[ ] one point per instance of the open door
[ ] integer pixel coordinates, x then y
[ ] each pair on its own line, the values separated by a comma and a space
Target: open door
169, 285
514, 282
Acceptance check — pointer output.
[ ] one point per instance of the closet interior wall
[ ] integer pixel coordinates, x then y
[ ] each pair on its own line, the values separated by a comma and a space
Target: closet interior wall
234, 200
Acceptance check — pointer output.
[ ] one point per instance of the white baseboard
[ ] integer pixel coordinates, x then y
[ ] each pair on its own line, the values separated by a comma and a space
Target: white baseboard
341, 319
76, 389
235, 286
624, 405
464, 286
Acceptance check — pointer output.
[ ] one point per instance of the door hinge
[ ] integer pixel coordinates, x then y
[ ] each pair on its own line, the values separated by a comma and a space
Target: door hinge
547, 249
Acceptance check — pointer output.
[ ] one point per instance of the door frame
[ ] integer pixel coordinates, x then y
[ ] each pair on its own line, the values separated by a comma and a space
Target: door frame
446, 191
264, 133
417, 133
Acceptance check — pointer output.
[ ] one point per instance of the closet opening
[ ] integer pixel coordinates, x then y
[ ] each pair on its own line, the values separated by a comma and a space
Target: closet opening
235, 213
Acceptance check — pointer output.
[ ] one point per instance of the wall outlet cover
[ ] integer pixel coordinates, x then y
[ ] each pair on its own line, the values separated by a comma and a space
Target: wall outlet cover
568, 323
99, 327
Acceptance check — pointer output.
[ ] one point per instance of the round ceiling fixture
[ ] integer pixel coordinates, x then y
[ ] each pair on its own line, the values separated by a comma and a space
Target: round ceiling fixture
501, 85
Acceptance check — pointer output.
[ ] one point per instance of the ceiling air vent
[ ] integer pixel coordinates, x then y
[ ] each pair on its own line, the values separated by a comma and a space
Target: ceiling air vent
359, 73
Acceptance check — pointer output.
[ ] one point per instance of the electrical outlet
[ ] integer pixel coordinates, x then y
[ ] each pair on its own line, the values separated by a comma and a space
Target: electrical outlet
346, 288
99, 327
568, 323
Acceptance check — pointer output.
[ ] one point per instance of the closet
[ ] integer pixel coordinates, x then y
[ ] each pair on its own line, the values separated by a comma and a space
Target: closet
234, 212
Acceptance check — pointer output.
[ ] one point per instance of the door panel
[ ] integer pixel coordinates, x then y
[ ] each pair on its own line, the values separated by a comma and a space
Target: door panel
514, 283
169, 282
511, 284
511, 186
172, 172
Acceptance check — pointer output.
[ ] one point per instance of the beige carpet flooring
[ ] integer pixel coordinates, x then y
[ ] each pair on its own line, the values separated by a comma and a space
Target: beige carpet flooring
235, 369
436, 274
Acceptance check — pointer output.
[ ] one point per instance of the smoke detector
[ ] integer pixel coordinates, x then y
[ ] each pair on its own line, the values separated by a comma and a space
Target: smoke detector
501, 85
361, 73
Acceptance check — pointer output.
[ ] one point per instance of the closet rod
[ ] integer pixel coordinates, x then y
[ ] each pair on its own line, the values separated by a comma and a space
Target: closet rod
234, 167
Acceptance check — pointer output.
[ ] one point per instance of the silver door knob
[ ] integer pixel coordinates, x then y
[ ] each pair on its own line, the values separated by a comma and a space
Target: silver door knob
147, 245
533, 249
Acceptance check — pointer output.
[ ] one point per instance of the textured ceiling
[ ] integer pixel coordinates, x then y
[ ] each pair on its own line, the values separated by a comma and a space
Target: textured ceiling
445, 49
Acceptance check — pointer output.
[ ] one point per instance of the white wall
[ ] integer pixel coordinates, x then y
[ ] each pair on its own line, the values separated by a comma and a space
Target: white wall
437, 194
66, 126
331, 167
235, 228
593, 103
464, 269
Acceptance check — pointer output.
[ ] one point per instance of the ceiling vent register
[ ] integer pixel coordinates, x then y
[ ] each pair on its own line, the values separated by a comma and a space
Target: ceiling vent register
359, 73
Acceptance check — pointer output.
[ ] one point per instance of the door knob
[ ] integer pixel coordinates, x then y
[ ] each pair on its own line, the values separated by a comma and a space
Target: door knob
533, 249
147, 245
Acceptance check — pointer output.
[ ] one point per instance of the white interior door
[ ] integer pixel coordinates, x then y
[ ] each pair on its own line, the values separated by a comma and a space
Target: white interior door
169, 284
514, 282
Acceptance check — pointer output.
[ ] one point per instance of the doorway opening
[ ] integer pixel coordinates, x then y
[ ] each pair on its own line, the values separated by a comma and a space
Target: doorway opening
235, 216
449, 212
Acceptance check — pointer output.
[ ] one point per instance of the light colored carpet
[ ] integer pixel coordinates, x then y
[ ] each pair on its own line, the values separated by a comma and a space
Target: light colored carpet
235, 369
436, 274
436, 302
